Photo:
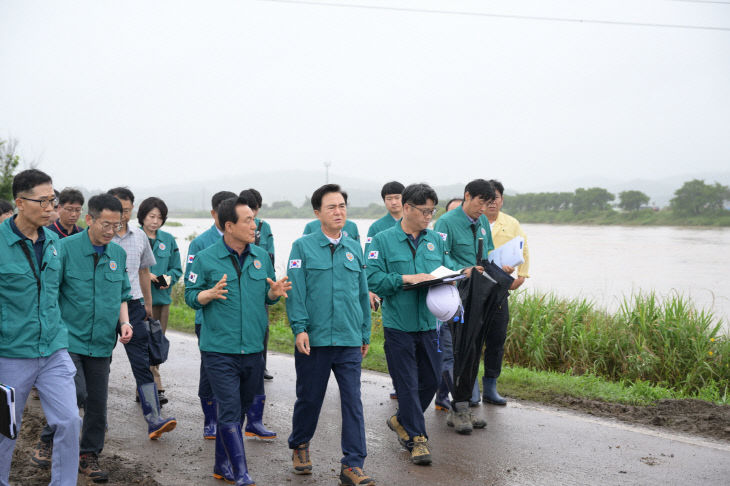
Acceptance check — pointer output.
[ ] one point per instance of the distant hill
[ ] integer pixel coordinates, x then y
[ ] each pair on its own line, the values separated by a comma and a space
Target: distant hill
296, 186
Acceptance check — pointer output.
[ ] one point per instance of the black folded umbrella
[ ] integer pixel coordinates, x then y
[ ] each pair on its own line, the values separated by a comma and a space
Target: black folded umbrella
480, 296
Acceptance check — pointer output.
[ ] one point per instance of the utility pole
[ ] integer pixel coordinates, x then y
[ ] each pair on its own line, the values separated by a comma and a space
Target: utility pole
327, 172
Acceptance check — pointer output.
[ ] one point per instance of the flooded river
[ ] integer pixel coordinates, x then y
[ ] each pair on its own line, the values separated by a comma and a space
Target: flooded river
600, 263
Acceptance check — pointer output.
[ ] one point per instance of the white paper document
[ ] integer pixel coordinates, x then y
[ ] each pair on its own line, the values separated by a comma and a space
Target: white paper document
442, 272
509, 254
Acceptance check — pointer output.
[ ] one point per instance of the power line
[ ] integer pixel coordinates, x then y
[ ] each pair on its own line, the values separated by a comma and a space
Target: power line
502, 16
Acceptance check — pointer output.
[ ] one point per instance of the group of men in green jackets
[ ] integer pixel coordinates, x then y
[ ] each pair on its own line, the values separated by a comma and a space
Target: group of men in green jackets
331, 287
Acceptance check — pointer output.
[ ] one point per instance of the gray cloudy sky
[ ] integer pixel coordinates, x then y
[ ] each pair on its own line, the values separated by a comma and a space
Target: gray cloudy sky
144, 93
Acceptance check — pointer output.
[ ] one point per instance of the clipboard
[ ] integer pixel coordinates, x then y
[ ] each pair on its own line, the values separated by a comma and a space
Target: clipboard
8, 426
437, 281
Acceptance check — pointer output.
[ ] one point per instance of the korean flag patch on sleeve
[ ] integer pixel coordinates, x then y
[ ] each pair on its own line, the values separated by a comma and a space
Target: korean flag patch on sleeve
193, 277
373, 255
191, 258
369, 240
295, 264
443, 236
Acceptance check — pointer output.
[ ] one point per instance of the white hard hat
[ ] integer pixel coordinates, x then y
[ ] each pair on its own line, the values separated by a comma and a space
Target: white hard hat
443, 301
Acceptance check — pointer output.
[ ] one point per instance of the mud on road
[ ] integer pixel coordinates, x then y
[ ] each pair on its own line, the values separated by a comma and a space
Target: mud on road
690, 416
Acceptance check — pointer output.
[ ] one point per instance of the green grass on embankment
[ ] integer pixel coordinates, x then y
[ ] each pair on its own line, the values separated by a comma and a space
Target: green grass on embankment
650, 349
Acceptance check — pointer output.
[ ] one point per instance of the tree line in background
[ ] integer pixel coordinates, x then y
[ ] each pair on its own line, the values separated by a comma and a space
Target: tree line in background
694, 198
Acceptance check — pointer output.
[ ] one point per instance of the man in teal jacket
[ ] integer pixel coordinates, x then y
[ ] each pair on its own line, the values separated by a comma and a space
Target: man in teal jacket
462, 230
231, 281
406, 254
200, 243
93, 294
33, 338
329, 313
391, 193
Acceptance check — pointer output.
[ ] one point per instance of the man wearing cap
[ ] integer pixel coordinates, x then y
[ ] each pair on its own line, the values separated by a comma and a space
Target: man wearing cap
200, 243
329, 313
406, 254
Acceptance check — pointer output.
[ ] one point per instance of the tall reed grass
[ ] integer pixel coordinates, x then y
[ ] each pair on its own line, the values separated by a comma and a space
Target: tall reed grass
663, 341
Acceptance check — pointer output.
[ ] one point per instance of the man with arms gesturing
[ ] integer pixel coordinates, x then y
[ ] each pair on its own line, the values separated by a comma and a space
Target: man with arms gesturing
329, 313
232, 281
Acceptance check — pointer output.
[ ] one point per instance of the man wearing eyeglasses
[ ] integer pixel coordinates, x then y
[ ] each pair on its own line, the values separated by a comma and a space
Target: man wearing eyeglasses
93, 294
406, 254
139, 260
34, 342
70, 202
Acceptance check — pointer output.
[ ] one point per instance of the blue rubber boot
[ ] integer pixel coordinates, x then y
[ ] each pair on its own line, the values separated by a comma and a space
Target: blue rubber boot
210, 414
222, 468
233, 444
474, 400
254, 425
490, 394
156, 425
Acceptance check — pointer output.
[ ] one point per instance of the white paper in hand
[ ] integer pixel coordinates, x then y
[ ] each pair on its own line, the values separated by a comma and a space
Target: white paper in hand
509, 254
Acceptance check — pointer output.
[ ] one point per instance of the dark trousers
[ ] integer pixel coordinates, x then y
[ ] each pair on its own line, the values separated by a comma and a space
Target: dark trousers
313, 373
235, 379
205, 392
138, 347
92, 384
414, 364
496, 335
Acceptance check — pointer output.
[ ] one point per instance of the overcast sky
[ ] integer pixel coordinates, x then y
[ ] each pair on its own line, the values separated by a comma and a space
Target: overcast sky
147, 93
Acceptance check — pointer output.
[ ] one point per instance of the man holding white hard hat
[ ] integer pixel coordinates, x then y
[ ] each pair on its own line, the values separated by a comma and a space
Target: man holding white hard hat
405, 254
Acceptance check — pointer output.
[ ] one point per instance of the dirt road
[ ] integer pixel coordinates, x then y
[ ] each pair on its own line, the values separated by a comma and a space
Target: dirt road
523, 443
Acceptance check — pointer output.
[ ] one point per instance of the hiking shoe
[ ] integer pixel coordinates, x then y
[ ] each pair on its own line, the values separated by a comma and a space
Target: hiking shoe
477, 422
42, 453
268, 376
460, 419
300, 459
420, 452
393, 395
395, 426
442, 405
89, 467
353, 476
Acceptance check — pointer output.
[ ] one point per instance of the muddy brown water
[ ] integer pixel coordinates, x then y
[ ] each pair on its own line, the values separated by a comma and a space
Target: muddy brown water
524, 443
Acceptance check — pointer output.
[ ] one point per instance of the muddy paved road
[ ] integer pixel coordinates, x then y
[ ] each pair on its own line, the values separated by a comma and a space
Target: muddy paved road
523, 443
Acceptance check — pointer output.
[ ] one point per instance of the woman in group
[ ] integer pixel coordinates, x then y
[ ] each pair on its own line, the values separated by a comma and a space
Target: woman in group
152, 214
